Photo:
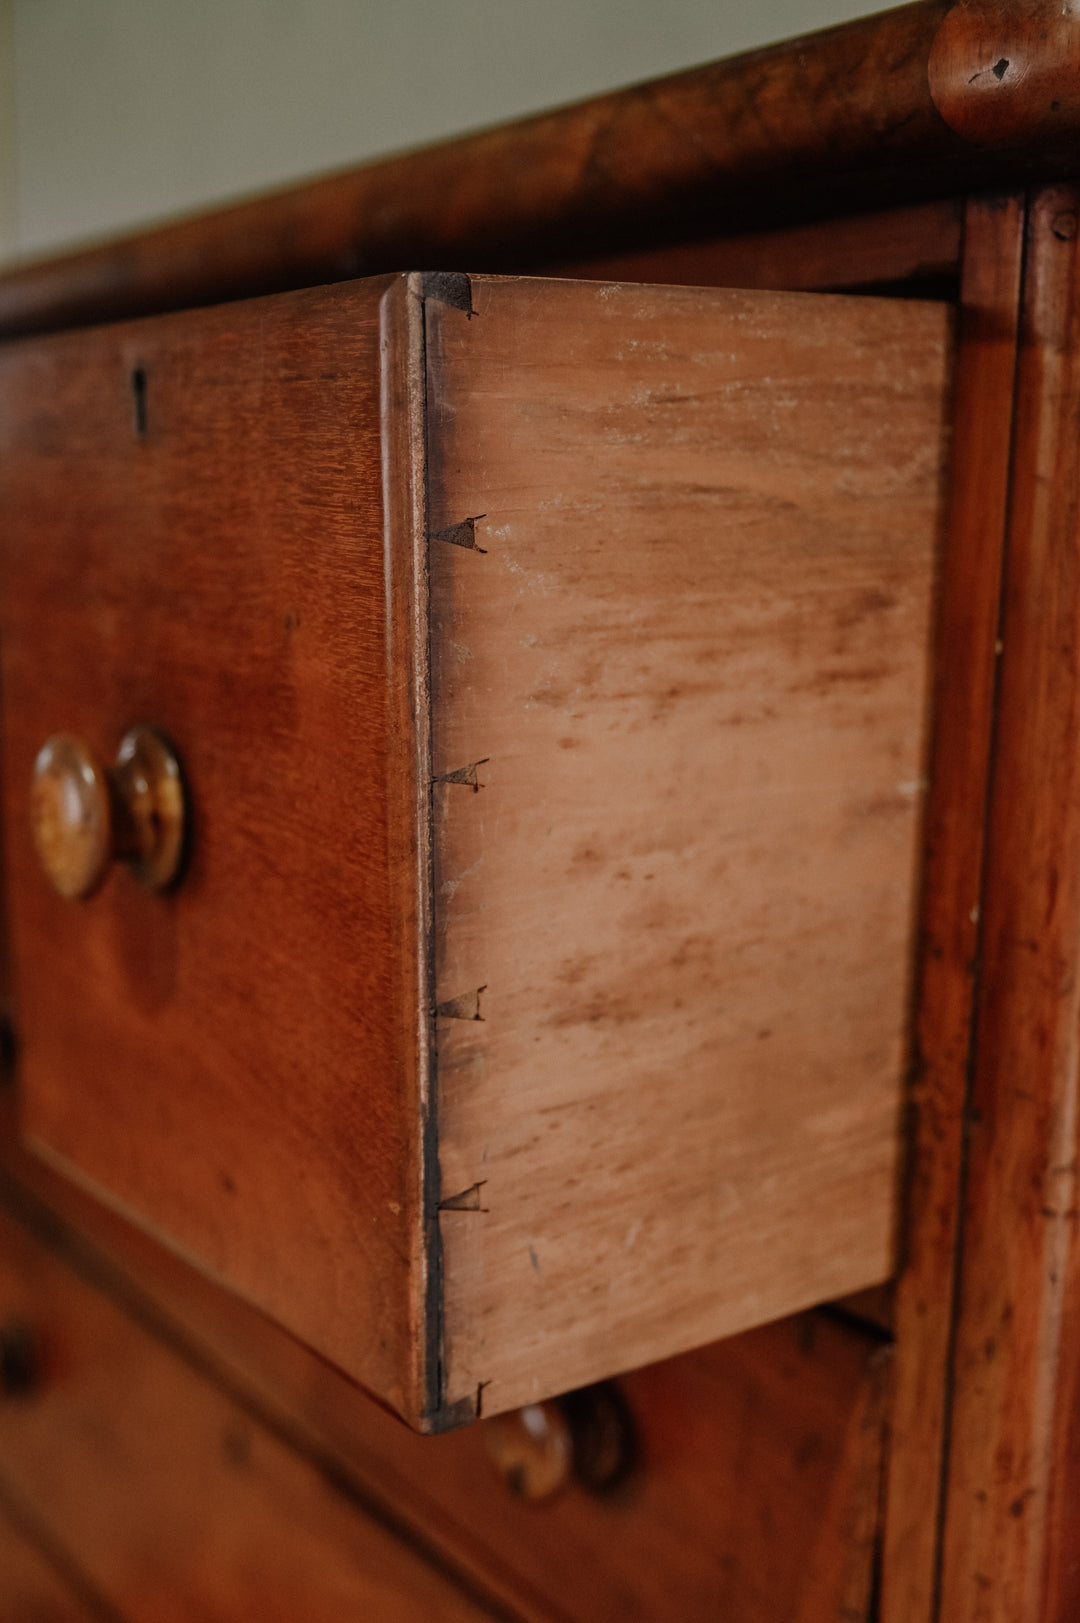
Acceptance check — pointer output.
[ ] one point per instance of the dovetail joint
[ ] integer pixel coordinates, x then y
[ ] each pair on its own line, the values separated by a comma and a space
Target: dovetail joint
465, 775
466, 1007
463, 534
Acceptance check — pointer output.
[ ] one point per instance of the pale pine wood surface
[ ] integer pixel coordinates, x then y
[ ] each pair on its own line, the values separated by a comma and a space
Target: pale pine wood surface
690, 668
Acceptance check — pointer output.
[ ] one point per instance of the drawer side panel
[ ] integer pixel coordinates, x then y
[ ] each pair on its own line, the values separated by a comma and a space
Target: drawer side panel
682, 559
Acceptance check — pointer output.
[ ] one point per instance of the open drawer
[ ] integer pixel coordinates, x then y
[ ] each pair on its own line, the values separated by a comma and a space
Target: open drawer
548, 667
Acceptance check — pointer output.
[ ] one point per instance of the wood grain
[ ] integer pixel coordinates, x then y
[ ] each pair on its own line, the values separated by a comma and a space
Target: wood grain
173, 1500
779, 1428
1004, 71
263, 1029
754, 1434
900, 245
678, 694
836, 122
236, 1062
1010, 1528
968, 608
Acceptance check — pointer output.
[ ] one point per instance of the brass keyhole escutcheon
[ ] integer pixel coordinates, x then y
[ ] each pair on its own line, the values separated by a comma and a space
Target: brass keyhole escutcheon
84, 816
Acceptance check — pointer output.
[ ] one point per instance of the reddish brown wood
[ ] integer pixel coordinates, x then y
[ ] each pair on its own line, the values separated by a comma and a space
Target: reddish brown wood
1005, 71
236, 1061
755, 1496
226, 563
968, 610
909, 104
32, 1590
905, 244
1063, 1575
323, 1416
842, 120
597, 177
1008, 1553
174, 1501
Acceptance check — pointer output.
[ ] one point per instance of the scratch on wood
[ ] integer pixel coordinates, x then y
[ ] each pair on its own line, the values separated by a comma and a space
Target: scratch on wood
463, 534
480, 1397
466, 1007
464, 774
467, 1201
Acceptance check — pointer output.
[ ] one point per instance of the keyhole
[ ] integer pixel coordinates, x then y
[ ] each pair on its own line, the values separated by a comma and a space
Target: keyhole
138, 389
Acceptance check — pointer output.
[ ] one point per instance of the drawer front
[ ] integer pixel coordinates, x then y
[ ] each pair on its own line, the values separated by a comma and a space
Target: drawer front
171, 1499
548, 666
754, 1495
754, 1465
194, 540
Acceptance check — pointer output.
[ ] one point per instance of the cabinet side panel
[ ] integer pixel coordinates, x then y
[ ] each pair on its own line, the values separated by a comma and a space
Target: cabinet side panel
682, 557
194, 537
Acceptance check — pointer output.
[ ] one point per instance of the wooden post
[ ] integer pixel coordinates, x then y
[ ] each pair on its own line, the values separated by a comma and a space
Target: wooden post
1012, 1455
968, 610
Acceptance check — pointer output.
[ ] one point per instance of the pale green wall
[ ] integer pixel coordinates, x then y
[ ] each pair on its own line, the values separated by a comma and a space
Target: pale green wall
8, 223
130, 110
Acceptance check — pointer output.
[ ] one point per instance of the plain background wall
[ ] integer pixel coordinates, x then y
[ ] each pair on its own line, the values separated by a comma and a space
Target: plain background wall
114, 113
8, 224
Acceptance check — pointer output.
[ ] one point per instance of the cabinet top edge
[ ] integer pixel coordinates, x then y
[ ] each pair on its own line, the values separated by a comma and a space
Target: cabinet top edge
923, 102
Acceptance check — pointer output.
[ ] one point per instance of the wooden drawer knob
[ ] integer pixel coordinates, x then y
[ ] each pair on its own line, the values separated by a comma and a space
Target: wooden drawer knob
587, 1438
533, 1448
83, 816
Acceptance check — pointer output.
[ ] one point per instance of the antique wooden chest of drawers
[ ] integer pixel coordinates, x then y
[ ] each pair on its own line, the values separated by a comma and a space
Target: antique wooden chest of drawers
628, 744
548, 663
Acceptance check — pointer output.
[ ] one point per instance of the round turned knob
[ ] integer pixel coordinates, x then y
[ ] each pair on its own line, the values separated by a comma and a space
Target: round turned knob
586, 1438
84, 816
533, 1447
